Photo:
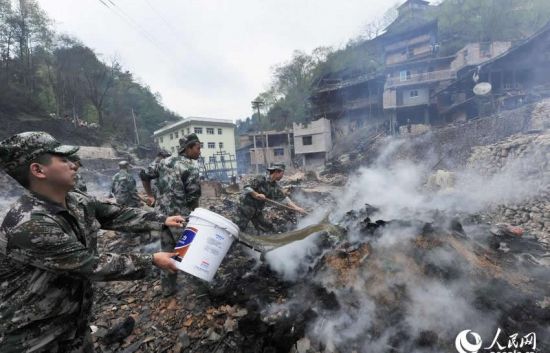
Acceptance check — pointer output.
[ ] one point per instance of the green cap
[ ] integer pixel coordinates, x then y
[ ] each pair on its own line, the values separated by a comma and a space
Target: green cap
187, 140
277, 166
22, 148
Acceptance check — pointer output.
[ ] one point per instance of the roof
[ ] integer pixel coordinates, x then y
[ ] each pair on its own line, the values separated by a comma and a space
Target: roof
189, 120
544, 30
408, 26
348, 83
421, 61
467, 71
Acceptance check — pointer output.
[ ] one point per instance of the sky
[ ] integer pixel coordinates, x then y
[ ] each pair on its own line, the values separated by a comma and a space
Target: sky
209, 57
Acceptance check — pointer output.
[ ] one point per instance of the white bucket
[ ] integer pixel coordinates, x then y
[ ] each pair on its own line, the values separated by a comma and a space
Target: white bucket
204, 243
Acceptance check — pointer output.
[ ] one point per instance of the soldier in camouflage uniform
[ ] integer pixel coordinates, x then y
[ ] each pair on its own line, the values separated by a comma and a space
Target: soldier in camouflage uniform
79, 184
48, 249
124, 187
160, 156
254, 198
179, 191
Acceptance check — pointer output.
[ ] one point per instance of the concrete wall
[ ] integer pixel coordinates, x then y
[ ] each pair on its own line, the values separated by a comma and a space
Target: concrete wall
422, 97
90, 152
320, 133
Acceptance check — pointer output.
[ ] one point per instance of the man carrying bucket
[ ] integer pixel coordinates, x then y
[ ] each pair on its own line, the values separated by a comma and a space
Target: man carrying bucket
48, 249
255, 195
179, 190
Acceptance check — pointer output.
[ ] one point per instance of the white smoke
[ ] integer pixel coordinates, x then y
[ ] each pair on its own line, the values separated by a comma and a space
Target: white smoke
398, 189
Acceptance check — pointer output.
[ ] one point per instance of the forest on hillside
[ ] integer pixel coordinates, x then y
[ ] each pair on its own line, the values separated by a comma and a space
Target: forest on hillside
460, 22
47, 75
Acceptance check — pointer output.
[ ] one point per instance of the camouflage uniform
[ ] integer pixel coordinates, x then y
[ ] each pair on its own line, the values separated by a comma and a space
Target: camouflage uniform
49, 258
179, 191
250, 209
124, 189
79, 184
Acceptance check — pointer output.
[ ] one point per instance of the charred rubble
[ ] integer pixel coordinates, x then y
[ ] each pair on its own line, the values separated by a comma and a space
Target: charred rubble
372, 275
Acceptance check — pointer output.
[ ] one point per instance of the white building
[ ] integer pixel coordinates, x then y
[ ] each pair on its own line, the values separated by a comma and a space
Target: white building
312, 141
217, 138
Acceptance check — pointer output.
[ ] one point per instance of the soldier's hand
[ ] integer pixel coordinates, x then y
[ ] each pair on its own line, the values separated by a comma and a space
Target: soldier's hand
260, 197
175, 221
164, 261
150, 200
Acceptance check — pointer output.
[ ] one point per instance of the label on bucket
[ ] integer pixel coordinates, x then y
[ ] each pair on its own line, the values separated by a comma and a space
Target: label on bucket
184, 242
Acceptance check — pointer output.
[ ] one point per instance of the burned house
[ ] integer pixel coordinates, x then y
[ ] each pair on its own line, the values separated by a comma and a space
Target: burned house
413, 68
349, 100
505, 81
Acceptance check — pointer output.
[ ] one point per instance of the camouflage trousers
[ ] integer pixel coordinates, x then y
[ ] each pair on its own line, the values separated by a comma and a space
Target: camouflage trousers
168, 239
247, 214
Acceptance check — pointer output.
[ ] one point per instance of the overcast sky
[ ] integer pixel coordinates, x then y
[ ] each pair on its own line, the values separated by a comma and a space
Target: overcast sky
210, 57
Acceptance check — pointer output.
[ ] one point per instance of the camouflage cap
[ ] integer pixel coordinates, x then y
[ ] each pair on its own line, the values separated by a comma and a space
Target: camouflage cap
277, 166
187, 140
22, 148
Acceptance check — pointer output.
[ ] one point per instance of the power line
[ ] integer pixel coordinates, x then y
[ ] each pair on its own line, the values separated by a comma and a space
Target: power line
126, 18
163, 19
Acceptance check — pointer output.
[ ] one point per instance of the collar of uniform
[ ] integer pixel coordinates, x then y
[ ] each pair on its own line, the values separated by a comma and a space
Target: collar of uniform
48, 204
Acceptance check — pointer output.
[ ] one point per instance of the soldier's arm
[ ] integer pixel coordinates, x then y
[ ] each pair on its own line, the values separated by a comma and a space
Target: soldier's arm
252, 189
115, 217
146, 175
191, 185
42, 243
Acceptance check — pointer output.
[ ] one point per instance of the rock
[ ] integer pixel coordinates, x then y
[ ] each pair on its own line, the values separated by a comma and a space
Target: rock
303, 345
230, 325
241, 313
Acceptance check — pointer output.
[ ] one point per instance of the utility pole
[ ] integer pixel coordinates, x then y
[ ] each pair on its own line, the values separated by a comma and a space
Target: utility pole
135, 126
256, 104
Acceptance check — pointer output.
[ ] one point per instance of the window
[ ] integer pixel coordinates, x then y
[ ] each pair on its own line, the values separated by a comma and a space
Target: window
307, 140
198, 130
413, 93
210, 131
171, 136
211, 145
202, 144
222, 158
176, 134
220, 145
201, 160
485, 50
173, 149
188, 131
279, 151
220, 131
404, 75
212, 159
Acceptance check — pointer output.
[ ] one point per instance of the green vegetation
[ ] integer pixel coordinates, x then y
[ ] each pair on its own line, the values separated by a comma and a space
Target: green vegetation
43, 75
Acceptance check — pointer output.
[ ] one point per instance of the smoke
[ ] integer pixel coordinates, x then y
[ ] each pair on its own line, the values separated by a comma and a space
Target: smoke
392, 304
